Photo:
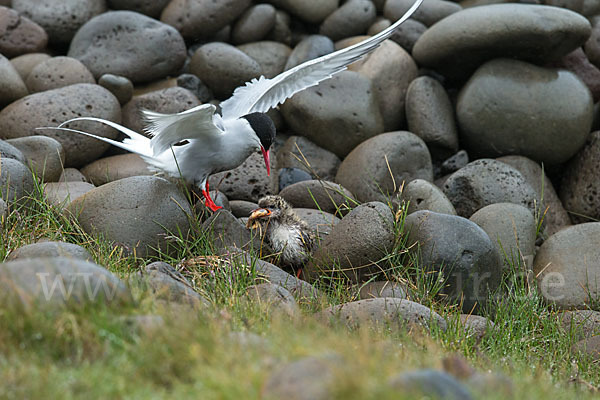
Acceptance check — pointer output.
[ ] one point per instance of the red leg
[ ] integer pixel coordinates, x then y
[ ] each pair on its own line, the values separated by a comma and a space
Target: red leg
208, 201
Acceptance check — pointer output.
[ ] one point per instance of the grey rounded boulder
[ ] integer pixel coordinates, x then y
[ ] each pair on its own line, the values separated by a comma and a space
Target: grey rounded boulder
223, 67
512, 229
322, 195
137, 213
428, 13
58, 282
58, 72
461, 251
353, 18
484, 182
271, 56
496, 106
16, 181
12, 86
336, 115
580, 188
299, 152
45, 156
50, 249
129, 44
356, 246
424, 195
254, 24
377, 168
113, 168
567, 267
52, 107
464, 40
309, 48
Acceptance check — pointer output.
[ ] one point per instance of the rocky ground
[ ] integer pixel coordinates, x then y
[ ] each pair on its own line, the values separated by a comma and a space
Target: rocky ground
460, 155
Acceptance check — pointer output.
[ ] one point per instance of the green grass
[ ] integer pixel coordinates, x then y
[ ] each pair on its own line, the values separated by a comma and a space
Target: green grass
97, 353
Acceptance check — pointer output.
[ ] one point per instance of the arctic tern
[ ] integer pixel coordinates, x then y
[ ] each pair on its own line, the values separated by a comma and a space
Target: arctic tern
199, 142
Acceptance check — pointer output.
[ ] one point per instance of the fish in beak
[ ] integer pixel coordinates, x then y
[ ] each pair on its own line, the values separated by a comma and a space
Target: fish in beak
255, 215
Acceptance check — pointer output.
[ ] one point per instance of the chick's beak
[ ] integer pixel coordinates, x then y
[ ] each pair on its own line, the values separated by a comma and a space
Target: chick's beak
256, 214
265, 154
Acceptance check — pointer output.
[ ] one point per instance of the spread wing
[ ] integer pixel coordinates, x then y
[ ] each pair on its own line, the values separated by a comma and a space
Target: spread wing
260, 95
168, 129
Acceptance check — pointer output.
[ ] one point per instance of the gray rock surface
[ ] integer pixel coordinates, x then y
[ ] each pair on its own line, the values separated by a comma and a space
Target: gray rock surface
430, 12
322, 195
353, 18
229, 234
366, 170
16, 181
271, 56
466, 39
59, 282
151, 8
119, 86
430, 116
476, 325
581, 323
299, 152
336, 115
7, 150
60, 19
52, 107
201, 19
311, 11
25, 63
512, 229
12, 86
580, 188
494, 112
461, 251
357, 245
137, 213
166, 283
275, 298
318, 221
430, 383
61, 194
129, 44
484, 182
57, 72
376, 289
223, 67
567, 266
113, 168
50, 249
384, 310
424, 195
3, 211
256, 22
45, 156
248, 182
309, 48
20, 35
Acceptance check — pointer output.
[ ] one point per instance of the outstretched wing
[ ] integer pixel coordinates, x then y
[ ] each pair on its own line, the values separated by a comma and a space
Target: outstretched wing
260, 95
169, 129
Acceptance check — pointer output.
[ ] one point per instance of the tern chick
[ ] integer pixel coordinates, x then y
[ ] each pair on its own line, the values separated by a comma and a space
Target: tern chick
199, 142
283, 230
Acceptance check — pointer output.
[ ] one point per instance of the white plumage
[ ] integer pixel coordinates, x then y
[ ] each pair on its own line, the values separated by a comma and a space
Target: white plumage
214, 143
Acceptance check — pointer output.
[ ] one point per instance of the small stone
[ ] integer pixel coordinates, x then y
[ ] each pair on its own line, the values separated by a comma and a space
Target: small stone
311, 11
376, 289
476, 325
72, 175
578, 63
254, 24
430, 115
168, 284
12, 86
242, 208
353, 18
299, 152
24, 64
144, 51
393, 312
580, 323
192, 83
455, 162
512, 229
484, 182
428, 13
16, 181
356, 247
320, 222
113, 168
45, 156
271, 56
248, 182
423, 195
289, 176
274, 297
57, 72
309, 48
223, 68
589, 346
119, 86
460, 251
19, 35
567, 267
151, 8
430, 383
201, 19
377, 168
61, 194
7, 150
137, 213
50, 249
229, 234
281, 31
3, 211
322, 195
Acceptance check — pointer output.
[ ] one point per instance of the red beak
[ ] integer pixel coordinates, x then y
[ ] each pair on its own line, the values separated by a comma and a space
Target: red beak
265, 154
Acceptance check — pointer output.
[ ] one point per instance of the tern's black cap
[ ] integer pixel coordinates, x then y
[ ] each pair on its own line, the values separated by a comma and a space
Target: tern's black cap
264, 128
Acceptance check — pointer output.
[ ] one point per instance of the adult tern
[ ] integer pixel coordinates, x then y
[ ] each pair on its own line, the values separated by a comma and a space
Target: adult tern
199, 142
